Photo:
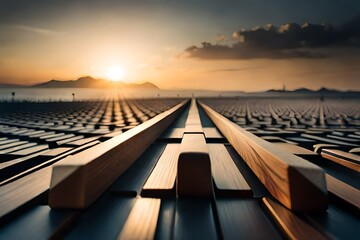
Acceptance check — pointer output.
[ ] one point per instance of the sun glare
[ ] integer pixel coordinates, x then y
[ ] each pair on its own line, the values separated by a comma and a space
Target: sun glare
115, 73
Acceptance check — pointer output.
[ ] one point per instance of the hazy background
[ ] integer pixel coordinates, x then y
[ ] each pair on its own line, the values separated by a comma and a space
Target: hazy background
160, 41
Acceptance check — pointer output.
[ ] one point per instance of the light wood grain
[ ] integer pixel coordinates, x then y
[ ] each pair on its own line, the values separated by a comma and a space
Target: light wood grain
196, 128
212, 133
173, 133
193, 115
194, 169
343, 155
342, 159
79, 180
225, 172
297, 184
293, 226
345, 192
163, 176
22, 191
142, 221
295, 149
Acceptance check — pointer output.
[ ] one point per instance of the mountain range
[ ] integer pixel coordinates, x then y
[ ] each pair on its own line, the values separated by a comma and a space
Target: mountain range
322, 90
84, 82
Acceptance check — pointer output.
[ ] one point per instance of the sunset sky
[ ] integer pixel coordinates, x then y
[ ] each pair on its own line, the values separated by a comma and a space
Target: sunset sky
161, 41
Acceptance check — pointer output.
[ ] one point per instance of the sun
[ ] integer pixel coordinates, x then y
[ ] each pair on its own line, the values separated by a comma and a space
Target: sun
115, 73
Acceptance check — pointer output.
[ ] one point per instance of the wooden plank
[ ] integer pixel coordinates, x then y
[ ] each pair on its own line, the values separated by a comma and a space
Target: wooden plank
79, 180
162, 178
31, 150
328, 140
194, 167
228, 179
346, 193
343, 160
193, 115
55, 152
212, 133
81, 141
132, 181
320, 146
61, 142
296, 183
355, 151
17, 193
343, 155
17, 148
173, 133
13, 144
244, 219
103, 220
297, 150
293, 226
193, 128
141, 223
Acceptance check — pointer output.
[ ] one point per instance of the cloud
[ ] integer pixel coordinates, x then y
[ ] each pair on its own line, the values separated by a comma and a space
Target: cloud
233, 69
290, 40
36, 30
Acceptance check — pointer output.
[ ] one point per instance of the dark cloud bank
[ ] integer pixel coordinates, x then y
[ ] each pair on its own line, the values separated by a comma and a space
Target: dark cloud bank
287, 41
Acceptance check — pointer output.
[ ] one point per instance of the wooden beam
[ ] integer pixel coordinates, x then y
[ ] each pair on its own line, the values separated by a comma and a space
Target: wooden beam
162, 178
142, 221
79, 180
227, 177
297, 184
345, 159
344, 192
293, 226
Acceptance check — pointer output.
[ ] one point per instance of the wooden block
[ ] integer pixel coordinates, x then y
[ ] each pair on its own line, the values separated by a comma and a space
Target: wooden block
79, 180
345, 159
293, 226
296, 183
227, 176
27, 164
162, 178
346, 193
244, 219
194, 168
142, 221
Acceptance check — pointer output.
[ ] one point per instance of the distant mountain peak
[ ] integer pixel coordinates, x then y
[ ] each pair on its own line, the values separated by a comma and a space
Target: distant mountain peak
90, 82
